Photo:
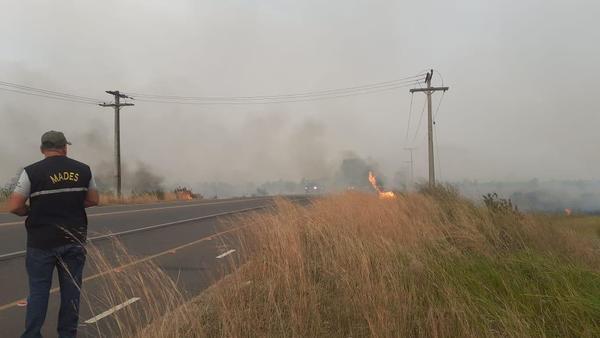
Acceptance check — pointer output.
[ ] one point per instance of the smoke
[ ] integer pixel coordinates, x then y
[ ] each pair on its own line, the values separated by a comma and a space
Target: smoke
309, 151
354, 171
351, 172
240, 48
144, 180
536, 195
92, 144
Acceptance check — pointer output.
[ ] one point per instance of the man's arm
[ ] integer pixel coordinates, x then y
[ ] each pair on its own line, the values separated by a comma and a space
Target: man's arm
16, 204
16, 201
91, 198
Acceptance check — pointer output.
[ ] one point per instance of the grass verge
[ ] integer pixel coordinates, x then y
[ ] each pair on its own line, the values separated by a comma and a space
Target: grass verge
424, 265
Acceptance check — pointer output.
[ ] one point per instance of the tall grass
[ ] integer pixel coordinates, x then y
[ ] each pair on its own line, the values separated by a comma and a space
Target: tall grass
116, 277
426, 264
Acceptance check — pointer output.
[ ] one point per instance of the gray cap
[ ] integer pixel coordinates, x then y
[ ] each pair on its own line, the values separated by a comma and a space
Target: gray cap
54, 139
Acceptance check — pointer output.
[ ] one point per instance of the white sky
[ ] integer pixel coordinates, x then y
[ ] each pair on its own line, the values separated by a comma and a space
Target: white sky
522, 76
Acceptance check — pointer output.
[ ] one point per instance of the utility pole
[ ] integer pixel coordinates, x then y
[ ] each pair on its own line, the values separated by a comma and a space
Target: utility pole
411, 172
117, 105
428, 91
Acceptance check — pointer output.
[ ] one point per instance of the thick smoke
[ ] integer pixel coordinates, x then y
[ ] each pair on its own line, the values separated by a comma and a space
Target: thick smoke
488, 128
354, 171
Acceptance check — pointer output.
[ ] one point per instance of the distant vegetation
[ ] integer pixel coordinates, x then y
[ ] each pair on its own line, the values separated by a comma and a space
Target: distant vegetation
428, 264
536, 195
149, 196
7, 189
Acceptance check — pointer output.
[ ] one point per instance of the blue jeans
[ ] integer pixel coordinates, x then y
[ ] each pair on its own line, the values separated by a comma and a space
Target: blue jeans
68, 260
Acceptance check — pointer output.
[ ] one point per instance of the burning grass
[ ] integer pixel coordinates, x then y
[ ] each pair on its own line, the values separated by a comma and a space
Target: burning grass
421, 265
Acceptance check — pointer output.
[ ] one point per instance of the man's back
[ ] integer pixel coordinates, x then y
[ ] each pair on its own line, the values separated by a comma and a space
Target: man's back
58, 188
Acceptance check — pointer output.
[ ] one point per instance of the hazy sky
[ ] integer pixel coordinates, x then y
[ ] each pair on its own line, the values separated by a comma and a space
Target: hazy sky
523, 79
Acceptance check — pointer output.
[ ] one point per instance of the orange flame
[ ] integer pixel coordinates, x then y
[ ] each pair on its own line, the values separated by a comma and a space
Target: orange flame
184, 196
382, 194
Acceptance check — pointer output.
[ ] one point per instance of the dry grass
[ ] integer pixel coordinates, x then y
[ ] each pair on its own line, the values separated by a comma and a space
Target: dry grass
122, 277
423, 265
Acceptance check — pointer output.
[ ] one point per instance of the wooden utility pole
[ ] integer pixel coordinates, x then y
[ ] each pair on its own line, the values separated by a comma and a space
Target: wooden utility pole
428, 91
117, 106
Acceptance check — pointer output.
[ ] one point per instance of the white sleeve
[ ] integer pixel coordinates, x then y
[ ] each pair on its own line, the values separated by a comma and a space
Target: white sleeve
23, 186
92, 184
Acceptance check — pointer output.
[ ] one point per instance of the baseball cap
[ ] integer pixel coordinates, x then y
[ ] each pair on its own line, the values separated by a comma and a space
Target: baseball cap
54, 139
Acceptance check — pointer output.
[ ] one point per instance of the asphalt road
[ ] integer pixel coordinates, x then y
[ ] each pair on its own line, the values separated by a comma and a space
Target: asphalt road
193, 242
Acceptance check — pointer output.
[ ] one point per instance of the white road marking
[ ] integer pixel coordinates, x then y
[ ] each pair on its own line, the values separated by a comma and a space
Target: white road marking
153, 209
226, 253
172, 207
141, 260
146, 228
12, 223
111, 310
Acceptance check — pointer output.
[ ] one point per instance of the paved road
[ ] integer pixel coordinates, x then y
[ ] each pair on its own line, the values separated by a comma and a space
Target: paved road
181, 237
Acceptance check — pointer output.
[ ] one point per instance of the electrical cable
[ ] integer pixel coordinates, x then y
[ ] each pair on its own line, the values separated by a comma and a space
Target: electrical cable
420, 121
437, 148
47, 92
304, 99
409, 115
437, 152
48, 96
438, 106
434, 118
230, 100
408, 80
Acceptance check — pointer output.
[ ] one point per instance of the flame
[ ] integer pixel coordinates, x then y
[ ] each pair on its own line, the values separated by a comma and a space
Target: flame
184, 196
382, 194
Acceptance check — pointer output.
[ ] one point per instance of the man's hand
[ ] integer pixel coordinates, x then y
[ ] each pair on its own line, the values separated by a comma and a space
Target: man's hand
91, 198
16, 204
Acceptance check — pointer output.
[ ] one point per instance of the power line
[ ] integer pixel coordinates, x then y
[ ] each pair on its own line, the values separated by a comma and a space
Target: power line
437, 151
437, 148
411, 79
438, 106
27, 89
117, 106
420, 121
302, 99
434, 121
430, 121
227, 100
412, 96
48, 96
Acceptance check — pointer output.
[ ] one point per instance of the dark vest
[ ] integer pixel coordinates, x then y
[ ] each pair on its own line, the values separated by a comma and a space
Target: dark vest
57, 215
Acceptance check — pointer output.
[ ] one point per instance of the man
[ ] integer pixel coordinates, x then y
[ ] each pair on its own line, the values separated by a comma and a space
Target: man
59, 189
